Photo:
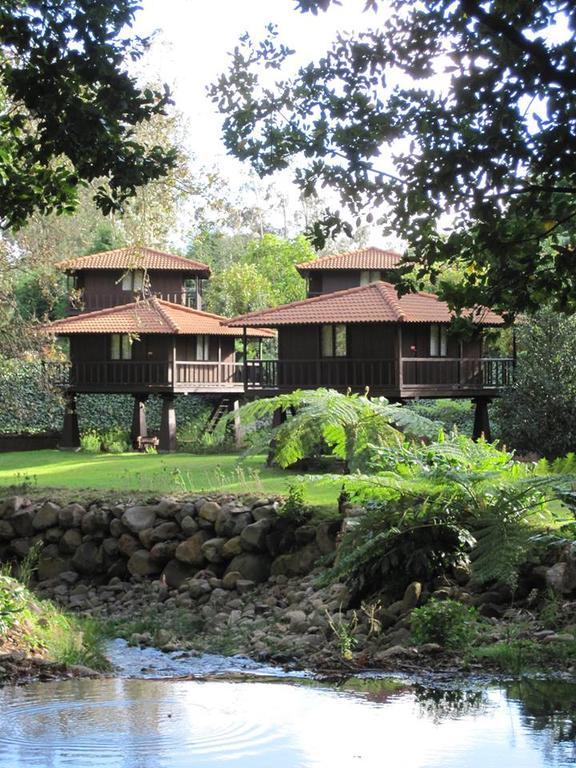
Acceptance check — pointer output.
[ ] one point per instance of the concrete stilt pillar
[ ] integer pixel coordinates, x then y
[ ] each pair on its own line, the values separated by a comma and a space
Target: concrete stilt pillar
481, 419
139, 427
168, 424
70, 429
278, 418
238, 428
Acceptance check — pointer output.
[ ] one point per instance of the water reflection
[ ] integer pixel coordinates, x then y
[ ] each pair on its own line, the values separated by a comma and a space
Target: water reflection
131, 723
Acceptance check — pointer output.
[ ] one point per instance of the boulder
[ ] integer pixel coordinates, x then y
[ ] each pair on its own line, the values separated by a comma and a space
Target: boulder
208, 510
411, 596
176, 572
165, 532
71, 515
117, 528
253, 537
229, 523
265, 512
145, 537
46, 517
198, 588
304, 534
51, 567
110, 547
12, 504
21, 521
189, 526
212, 550
561, 577
128, 544
163, 551
297, 563
232, 548
190, 550
138, 519
326, 533
141, 564
6, 530
252, 567
53, 535
88, 558
21, 546
231, 579
70, 541
167, 508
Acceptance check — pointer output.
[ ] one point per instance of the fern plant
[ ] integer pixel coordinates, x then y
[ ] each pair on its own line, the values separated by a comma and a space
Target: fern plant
348, 424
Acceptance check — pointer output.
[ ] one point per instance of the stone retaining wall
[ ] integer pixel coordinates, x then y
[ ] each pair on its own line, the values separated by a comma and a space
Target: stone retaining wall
236, 538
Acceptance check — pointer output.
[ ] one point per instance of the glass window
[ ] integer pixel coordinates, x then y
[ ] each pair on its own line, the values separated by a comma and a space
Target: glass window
340, 341
202, 347
438, 341
133, 280
334, 340
369, 276
327, 345
120, 346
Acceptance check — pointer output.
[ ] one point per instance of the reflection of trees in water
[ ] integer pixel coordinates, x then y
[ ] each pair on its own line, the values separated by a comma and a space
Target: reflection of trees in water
449, 703
549, 706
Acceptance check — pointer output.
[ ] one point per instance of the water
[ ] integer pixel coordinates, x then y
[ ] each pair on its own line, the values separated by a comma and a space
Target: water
256, 720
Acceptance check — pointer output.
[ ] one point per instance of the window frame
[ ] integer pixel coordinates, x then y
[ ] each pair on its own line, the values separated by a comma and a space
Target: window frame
202, 348
132, 280
438, 340
120, 347
331, 337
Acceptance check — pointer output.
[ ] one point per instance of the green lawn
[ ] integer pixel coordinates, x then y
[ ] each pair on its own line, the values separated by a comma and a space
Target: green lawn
155, 473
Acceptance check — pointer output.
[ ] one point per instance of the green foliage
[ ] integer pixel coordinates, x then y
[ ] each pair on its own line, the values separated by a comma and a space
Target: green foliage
10, 604
446, 622
29, 563
519, 656
59, 63
294, 506
494, 145
90, 441
116, 440
538, 413
348, 425
451, 414
343, 629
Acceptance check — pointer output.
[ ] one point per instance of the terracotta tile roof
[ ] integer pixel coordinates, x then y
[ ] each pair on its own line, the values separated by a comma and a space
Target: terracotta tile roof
135, 257
367, 258
149, 316
373, 303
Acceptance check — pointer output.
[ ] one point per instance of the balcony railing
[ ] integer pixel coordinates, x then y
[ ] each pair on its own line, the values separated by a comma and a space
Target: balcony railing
419, 375
92, 302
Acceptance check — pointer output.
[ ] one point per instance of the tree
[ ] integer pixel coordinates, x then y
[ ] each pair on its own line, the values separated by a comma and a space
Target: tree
475, 101
69, 108
538, 413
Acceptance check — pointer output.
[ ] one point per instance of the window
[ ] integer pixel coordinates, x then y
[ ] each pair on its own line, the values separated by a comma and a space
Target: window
369, 276
133, 280
120, 347
203, 348
438, 341
334, 340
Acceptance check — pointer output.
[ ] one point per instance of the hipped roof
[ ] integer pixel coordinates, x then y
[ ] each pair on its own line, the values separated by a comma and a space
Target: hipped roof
135, 257
373, 303
366, 258
149, 316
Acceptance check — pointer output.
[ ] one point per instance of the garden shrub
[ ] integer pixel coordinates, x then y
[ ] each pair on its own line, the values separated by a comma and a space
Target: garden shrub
90, 441
446, 622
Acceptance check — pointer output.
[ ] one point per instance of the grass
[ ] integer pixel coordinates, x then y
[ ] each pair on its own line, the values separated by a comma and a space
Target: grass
157, 473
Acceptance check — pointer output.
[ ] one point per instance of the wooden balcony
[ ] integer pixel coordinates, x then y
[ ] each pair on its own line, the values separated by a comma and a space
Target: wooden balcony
92, 302
409, 377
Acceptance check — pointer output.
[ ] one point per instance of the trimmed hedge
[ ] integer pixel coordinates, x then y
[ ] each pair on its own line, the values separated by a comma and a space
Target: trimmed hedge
27, 405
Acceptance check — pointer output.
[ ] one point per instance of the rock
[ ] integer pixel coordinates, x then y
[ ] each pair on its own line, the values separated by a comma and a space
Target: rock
21, 547
411, 596
252, 567
230, 579
190, 551
69, 577
304, 534
139, 518
265, 512
21, 521
297, 619
141, 564
70, 541
198, 588
71, 516
53, 535
12, 504
46, 517
229, 524
128, 544
395, 652
145, 537
462, 573
326, 533
94, 520
7, 532
51, 567
296, 563
117, 528
164, 532
163, 551
232, 548
189, 526
110, 547
561, 577
167, 508
244, 585
162, 637
212, 550
176, 572
88, 558
208, 510
253, 537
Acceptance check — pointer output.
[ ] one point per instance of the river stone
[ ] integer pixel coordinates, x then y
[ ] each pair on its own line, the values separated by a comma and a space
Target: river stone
265, 512
141, 564
212, 550
189, 526
163, 551
232, 548
190, 551
71, 540
561, 577
167, 508
88, 558
139, 518
110, 547
230, 523
128, 544
198, 588
46, 517
21, 521
176, 572
252, 567
296, 563
208, 510
326, 533
21, 546
411, 596
12, 504
117, 528
253, 537
53, 535
230, 579
6, 530
164, 532
71, 515
297, 619
51, 567
145, 537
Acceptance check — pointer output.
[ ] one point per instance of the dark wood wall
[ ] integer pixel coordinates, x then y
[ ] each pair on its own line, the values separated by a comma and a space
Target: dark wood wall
328, 282
186, 348
151, 347
109, 282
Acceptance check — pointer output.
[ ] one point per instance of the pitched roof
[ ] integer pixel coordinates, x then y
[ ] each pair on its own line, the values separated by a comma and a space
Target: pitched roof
149, 316
366, 258
135, 257
373, 303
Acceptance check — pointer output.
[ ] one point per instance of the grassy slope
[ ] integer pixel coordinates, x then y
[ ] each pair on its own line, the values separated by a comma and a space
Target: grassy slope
168, 473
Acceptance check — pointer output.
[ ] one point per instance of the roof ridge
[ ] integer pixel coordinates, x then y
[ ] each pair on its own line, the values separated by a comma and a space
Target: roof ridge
390, 295
160, 309
342, 254
184, 308
128, 251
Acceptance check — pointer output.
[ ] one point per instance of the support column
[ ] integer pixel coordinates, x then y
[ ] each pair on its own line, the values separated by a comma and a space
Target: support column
278, 418
481, 419
70, 430
238, 428
139, 427
168, 425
